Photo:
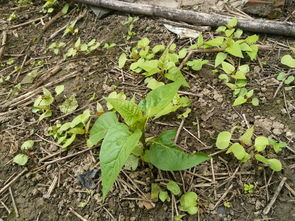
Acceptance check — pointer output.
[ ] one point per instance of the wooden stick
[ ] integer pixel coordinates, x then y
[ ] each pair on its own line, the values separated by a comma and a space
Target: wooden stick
2, 46
199, 18
12, 181
278, 190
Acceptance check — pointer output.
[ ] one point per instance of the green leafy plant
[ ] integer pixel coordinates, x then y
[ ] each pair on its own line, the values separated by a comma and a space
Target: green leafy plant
22, 159
12, 16
109, 45
148, 61
66, 133
130, 23
55, 47
48, 6
120, 140
71, 29
248, 188
224, 138
42, 104
230, 44
82, 47
189, 203
286, 80
227, 204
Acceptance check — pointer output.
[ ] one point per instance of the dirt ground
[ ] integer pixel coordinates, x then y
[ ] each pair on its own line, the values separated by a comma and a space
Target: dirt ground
98, 73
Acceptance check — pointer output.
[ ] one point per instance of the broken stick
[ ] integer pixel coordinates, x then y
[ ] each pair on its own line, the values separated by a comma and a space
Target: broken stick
197, 18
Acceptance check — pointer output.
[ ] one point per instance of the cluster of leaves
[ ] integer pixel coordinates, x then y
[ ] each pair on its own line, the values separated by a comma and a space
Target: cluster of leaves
43, 102
146, 60
22, 158
188, 201
66, 133
238, 148
248, 188
130, 23
122, 140
290, 62
82, 47
48, 6
235, 78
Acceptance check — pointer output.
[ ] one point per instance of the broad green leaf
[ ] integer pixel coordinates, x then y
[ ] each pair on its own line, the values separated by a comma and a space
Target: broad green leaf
246, 138
69, 105
232, 23
239, 152
182, 53
101, 126
151, 67
218, 41
238, 33
165, 155
235, 50
144, 42
288, 60
47, 113
155, 190
252, 54
174, 74
260, 143
274, 164
281, 76
114, 94
129, 111
176, 103
255, 101
289, 80
21, 159
116, 147
220, 57
252, 39
76, 130
152, 83
245, 47
197, 65
158, 99
59, 89
249, 93
158, 48
223, 140
188, 203
122, 60
69, 141
220, 29
229, 32
239, 100
81, 118
227, 67
28, 144
65, 9
163, 196
173, 188
224, 77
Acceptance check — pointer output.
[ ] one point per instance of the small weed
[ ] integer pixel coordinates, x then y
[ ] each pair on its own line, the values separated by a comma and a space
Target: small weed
22, 158
130, 23
82, 47
238, 148
248, 188
55, 47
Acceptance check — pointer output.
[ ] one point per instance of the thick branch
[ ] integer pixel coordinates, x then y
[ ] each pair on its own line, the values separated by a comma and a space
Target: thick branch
198, 18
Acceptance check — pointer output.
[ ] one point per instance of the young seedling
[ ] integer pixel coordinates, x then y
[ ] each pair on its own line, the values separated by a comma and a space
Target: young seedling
130, 23
224, 138
189, 203
82, 47
121, 139
55, 47
66, 133
248, 188
286, 81
22, 159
